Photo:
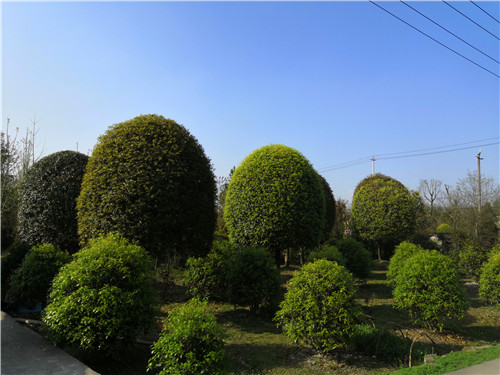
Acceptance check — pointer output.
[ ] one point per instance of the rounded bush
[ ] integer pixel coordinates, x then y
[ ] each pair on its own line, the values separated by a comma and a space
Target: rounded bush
330, 253
427, 286
191, 342
106, 292
383, 210
358, 260
47, 200
149, 179
319, 308
489, 282
32, 280
205, 277
471, 258
275, 200
11, 261
402, 253
252, 278
444, 228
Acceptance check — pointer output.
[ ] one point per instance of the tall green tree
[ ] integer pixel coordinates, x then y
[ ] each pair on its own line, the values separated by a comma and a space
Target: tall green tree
383, 211
330, 209
149, 179
275, 200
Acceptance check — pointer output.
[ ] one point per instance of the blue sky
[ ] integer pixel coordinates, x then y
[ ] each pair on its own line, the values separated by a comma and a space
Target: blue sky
338, 81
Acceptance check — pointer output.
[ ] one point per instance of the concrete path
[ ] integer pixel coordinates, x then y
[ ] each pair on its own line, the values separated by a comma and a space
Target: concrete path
24, 352
486, 368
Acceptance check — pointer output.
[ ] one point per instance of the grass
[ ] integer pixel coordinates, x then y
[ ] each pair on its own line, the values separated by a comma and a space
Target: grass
256, 346
453, 361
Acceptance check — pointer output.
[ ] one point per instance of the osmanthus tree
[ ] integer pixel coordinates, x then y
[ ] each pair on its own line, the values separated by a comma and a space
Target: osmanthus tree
149, 179
275, 200
330, 209
383, 210
47, 200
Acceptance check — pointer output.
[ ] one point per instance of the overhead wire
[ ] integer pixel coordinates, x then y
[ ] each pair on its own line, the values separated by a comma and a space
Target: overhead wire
470, 19
484, 11
445, 29
435, 40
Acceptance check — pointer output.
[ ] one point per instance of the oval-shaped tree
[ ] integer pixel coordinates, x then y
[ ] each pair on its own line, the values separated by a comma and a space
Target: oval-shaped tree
275, 200
47, 204
149, 179
383, 210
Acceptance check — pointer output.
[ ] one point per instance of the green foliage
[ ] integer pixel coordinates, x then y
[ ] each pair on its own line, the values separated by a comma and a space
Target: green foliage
47, 201
330, 209
205, 277
149, 179
106, 292
252, 278
471, 258
489, 281
427, 286
385, 345
358, 260
319, 308
402, 253
275, 200
31, 281
191, 342
330, 253
383, 210
444, 228
11, 261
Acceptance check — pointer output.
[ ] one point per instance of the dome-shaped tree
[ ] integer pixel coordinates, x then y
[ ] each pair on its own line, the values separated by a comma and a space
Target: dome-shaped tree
47, 204
275, 200
330, 206
150, 180
383, 210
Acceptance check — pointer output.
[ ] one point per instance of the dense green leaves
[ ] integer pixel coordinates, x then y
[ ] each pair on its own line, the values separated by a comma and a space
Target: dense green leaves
330, 209
383, 210
427, 286
47, 205
275, 200
31, 281
402, 253
489, 282
319, 307
149, 179
105, 293
191, 342
358, 260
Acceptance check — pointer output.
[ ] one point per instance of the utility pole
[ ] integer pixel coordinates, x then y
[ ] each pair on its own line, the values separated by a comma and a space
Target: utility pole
373, 165
479, 158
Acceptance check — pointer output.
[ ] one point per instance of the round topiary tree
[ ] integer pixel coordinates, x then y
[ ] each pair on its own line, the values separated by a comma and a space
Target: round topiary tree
275, 200
150, 180
383, 210
358, 260
330, 209
104, 294
489, 282
402, 253
47, 201
427, 286
319, 308
32, 280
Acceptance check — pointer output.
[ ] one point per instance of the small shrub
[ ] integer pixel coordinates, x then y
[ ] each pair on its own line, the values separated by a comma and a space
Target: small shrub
106, 292
11, 261
191, 342
358, 260
252, 278
31, 281
330, 253
489, 281
205, 277
401, 254
471, 259
444, 228
427, 286
319, 307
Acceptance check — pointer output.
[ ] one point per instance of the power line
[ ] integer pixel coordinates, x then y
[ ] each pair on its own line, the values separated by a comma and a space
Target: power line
484, 11
437, 41
445, 29
470, 19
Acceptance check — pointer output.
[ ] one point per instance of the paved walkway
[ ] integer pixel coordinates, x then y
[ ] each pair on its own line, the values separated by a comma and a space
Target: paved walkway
486, 368
24, 352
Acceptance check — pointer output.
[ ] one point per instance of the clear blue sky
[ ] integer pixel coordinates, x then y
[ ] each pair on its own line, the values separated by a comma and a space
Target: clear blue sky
338, 81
